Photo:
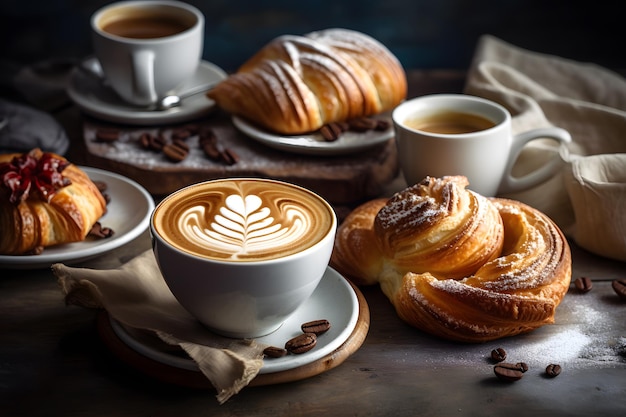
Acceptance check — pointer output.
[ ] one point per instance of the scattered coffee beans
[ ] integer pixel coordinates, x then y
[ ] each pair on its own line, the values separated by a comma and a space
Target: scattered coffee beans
583, 284
274, 352
316, 326
508, 372
619, 286
553, 370
498, 355
301, 343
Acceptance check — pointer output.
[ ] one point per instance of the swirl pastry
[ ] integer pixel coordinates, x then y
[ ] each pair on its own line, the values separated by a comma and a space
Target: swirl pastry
44, 201
297, 84
456, 264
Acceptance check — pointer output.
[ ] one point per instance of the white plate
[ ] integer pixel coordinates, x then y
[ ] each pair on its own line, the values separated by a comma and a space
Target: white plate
334, 300
314, 143
128, 214
98, 100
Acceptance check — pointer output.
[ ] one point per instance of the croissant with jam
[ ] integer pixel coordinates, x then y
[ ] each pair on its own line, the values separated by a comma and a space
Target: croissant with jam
456, 264
44, 200
297, 84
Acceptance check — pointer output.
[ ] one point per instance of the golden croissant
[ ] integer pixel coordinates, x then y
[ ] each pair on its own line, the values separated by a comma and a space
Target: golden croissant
456, 264
44, 201
297, 84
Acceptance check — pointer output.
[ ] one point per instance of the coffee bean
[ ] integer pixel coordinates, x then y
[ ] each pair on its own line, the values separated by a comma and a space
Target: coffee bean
583, 284
274, 352
498, 355
553, 370
522, 366
301, 343
99, 231
229, 156
181, 144
508, 372
362, 124
101, 185
619, 286
331, 132
316, 326
382, 125
175, 152
107, 134
152, 142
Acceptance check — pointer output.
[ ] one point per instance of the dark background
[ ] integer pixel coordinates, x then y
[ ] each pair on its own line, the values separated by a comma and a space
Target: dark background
422, 33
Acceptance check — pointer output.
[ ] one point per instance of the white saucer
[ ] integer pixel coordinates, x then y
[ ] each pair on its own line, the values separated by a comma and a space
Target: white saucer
334, 300
100, 101
128, 214
314, 143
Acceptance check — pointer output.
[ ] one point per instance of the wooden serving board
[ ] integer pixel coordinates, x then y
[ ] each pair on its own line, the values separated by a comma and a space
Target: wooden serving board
195, 379
341, 179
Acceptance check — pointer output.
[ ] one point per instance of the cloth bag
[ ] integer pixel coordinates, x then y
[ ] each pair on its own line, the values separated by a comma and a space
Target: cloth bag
588, 197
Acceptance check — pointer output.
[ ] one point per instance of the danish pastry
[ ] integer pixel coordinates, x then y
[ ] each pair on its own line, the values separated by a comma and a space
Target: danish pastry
297, 84
456, 264
44, 201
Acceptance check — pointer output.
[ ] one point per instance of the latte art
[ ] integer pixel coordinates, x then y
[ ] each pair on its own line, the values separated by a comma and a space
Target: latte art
243, 220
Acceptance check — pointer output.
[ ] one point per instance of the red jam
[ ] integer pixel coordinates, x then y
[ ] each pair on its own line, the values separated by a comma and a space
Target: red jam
26, 176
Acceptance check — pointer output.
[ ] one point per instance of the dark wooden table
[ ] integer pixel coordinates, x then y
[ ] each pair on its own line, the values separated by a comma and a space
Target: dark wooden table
53, 362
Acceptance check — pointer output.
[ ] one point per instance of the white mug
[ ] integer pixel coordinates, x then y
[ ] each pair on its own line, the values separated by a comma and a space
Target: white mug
458, 134
147, 48
243, 254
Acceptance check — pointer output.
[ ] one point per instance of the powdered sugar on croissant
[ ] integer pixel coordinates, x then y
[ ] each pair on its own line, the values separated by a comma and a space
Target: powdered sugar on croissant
296, 84
459, 287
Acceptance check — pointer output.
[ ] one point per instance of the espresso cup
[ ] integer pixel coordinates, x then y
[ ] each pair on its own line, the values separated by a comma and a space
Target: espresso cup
147, 48
457, 134
241, 255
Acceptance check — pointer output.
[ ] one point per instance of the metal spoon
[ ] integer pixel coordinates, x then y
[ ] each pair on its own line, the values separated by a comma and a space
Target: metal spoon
173, 100
92, 67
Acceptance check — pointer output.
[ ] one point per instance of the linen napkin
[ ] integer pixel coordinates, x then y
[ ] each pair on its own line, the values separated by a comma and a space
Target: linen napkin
588, 197
136, 295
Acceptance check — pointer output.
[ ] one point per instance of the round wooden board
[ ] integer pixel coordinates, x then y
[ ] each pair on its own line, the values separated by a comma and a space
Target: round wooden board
195, 379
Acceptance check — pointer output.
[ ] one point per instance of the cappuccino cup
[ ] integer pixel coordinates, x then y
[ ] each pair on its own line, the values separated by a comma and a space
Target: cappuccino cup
457, 134
147, 48
241, 255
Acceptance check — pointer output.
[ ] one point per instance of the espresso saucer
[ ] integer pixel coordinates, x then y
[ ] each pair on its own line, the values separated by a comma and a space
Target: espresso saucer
335, 299
313, 143
98, 100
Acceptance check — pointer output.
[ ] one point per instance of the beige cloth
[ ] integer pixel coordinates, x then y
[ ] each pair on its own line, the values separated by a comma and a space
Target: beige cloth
136, 295
587, 199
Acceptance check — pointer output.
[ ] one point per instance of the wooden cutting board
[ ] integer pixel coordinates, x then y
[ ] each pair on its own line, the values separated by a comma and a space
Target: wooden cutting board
341, 179
195, 379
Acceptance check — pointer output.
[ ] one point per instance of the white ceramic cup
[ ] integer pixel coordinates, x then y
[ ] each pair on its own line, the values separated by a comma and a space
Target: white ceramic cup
486, 157
241, 255
147, 48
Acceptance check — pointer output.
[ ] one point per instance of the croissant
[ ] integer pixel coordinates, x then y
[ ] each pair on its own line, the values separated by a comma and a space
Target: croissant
456, 264
44, 201
297, 84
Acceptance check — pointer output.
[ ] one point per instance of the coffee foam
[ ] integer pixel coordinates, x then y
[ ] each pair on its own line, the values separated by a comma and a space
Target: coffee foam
243, 220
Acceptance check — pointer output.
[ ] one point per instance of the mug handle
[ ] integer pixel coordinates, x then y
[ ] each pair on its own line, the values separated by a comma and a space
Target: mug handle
143, 77
510, 183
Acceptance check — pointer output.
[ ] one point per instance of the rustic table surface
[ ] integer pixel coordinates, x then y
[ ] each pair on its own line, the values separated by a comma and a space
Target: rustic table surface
53, 361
